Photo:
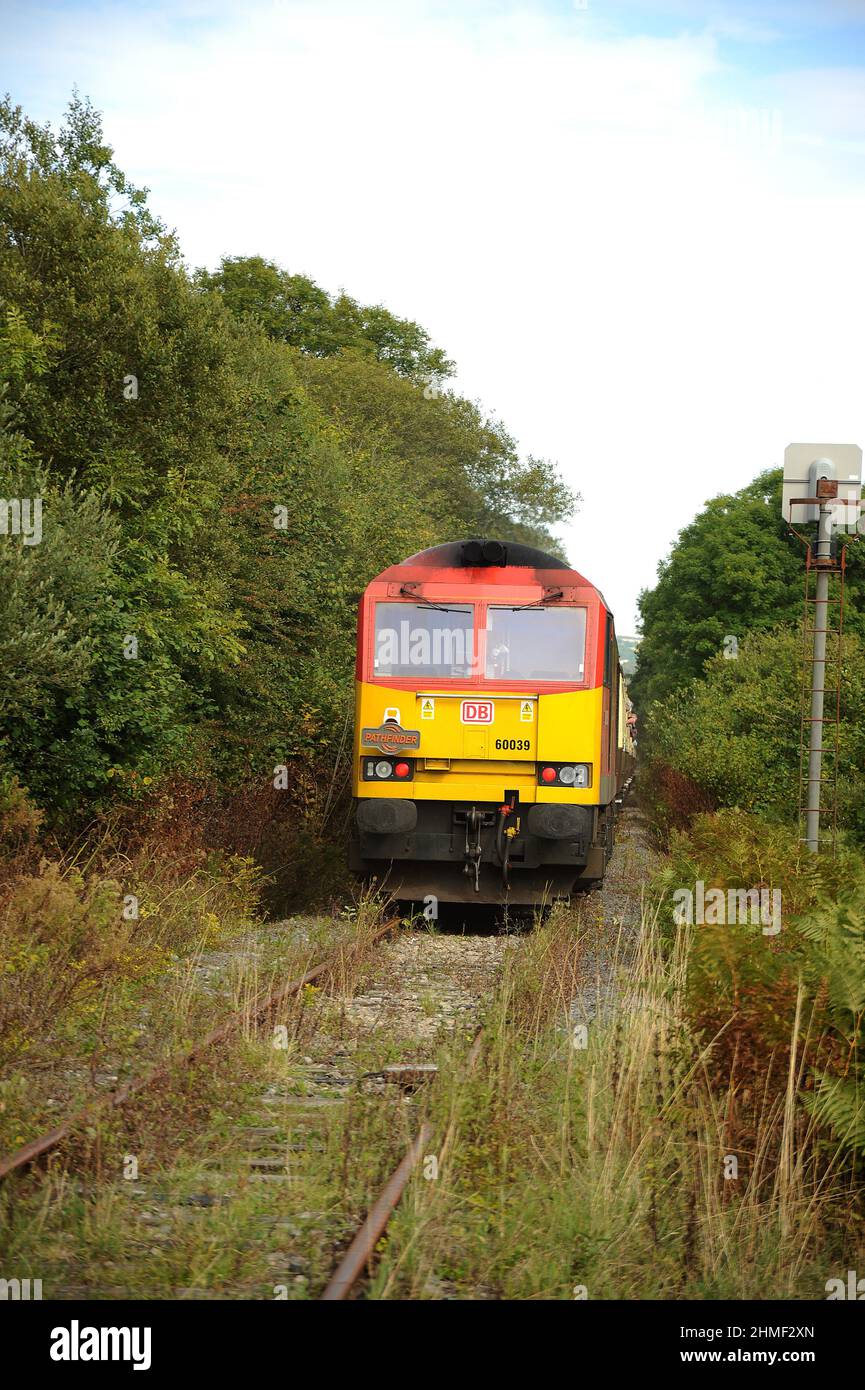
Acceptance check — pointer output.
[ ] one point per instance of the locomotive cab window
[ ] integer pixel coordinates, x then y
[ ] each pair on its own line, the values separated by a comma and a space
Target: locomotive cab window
544, 644
414, 639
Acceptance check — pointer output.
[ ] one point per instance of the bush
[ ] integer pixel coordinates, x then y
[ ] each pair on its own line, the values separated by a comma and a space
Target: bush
755, 995
19, 818
733, 738
76, 951
225, 461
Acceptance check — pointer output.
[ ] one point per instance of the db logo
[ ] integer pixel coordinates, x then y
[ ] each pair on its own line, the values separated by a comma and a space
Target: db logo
476, 712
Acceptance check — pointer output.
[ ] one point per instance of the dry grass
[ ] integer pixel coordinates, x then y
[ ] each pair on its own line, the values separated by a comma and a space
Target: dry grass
562, 1169
192, 1219
607, 1171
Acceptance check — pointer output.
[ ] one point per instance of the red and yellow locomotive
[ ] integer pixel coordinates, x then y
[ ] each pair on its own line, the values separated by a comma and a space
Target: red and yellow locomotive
492, 741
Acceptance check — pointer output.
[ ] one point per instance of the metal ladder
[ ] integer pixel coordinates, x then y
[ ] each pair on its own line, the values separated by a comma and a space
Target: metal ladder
830, 721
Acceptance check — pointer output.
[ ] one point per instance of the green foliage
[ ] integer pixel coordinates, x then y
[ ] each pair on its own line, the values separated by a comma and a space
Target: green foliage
732, 571
839, 1103
443, 459
745, 987
295, 310
224, 462
735, 733
836, 945
730, 848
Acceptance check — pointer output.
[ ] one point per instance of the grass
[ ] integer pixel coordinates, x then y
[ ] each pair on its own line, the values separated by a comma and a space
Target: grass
165, 1199
96, 987
628, 1168
600, 1172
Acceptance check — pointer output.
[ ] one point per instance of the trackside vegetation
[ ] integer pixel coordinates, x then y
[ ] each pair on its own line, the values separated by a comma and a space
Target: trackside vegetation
632, 1161
200, 470
222, 458
719, 689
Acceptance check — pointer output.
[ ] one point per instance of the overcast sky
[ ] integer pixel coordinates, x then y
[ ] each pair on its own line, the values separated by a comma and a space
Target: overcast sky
637, 225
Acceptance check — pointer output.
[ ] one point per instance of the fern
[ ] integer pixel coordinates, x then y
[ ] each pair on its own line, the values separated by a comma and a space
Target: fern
839, 1102
836, 937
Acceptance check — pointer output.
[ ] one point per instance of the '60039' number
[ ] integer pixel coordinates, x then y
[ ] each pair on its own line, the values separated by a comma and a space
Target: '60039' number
521, 745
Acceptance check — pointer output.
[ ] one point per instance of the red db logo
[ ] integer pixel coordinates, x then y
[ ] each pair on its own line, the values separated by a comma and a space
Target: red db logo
476, 712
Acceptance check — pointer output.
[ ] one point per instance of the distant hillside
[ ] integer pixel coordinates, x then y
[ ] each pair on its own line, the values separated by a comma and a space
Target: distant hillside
628, 654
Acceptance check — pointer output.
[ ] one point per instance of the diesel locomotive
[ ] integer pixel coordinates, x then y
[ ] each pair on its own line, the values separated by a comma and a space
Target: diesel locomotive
493, 739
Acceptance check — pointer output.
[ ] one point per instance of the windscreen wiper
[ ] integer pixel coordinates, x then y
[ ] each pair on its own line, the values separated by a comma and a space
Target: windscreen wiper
428, 603
536, 603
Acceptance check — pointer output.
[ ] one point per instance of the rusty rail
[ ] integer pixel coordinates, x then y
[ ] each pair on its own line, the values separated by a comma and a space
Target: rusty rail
28, 1153
359, 1254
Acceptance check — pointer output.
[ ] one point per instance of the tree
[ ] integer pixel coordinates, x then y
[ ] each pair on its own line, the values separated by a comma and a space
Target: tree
223, 467
461, 470
295, 310
734, 570
734, 733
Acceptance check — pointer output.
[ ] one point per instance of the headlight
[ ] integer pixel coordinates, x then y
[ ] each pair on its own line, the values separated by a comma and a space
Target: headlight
565, 774
387, 769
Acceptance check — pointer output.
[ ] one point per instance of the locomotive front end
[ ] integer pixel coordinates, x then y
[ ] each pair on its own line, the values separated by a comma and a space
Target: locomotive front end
486, 764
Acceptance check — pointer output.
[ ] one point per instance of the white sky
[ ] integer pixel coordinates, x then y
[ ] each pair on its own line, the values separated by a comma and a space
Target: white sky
641, 241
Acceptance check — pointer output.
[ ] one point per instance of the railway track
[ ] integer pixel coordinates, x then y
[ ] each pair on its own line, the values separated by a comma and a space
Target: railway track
395, 1002
46, 1143
360, 1253
302, 1166
596, 995
359, 1256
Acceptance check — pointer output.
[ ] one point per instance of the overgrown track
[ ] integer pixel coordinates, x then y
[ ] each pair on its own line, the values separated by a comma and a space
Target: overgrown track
461, 966
360, 1253
598, 990
46, 1143
424, 985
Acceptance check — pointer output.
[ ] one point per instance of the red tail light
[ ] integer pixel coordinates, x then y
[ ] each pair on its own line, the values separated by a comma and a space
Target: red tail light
549, 774
402, 770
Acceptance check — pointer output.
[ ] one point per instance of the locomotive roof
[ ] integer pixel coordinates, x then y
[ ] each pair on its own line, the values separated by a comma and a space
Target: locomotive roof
452, 555
509, 555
